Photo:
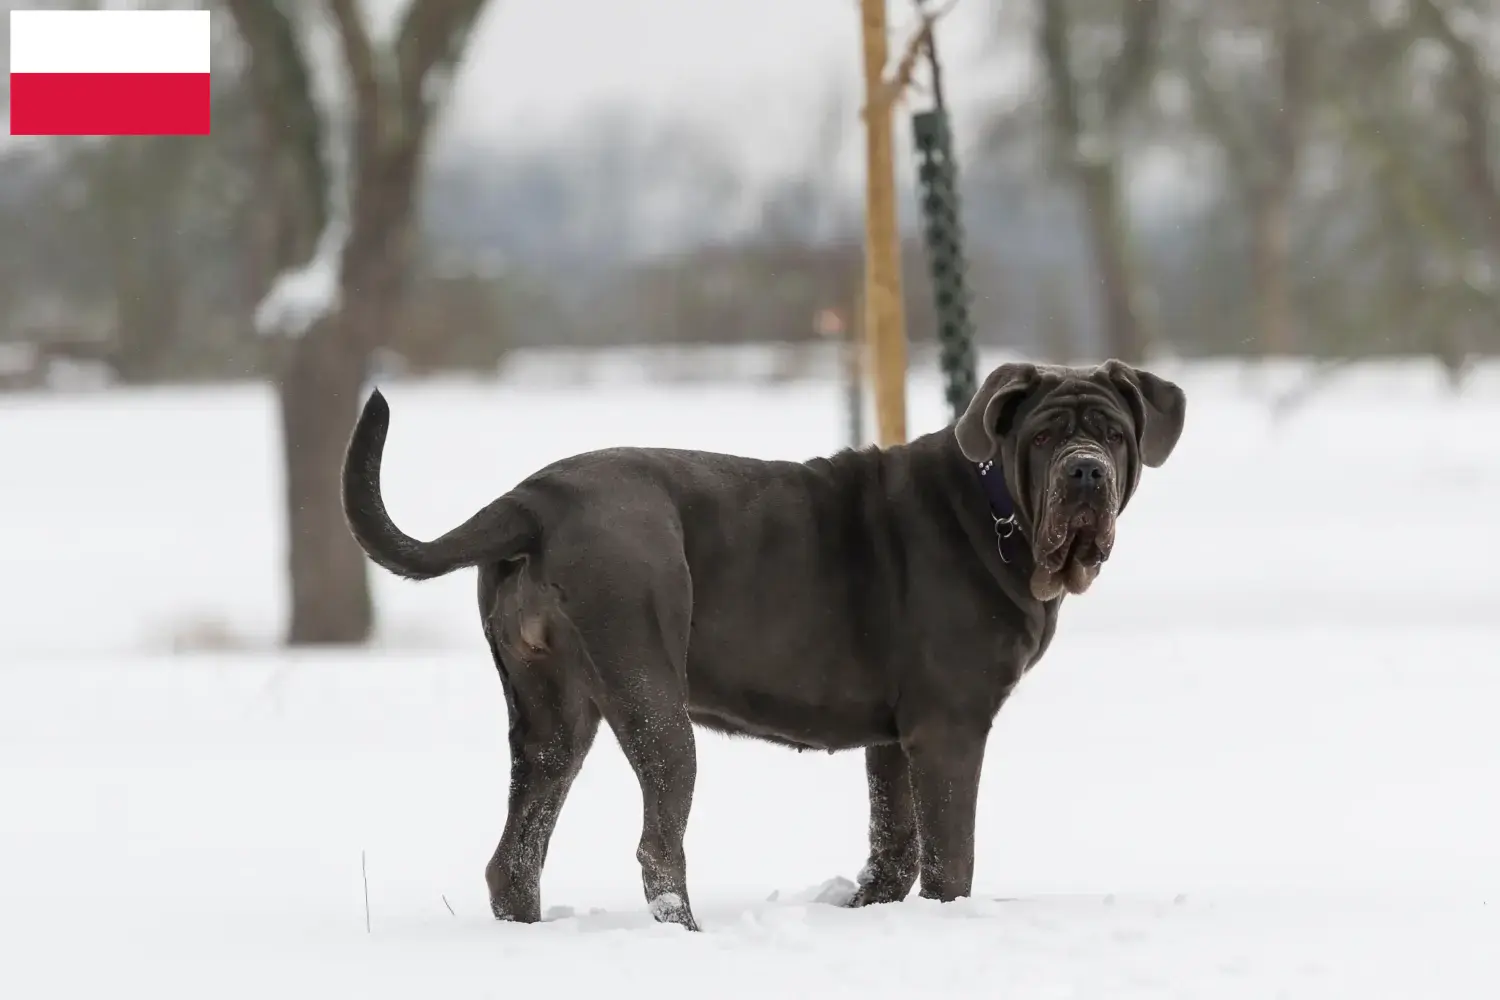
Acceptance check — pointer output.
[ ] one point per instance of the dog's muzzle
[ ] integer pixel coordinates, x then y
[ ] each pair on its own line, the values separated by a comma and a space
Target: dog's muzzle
1077, 524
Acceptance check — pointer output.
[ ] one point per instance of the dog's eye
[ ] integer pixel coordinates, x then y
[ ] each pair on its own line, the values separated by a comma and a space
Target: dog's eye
1041, 439
1114, 435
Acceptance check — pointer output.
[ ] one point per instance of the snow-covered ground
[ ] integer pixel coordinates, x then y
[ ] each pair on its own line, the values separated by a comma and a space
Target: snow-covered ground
1260, 761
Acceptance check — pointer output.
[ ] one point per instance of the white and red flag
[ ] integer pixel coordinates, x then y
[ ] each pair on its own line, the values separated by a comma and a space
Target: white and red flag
109, 72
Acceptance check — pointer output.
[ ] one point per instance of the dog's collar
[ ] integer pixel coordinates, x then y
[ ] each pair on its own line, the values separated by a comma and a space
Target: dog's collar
1002, 504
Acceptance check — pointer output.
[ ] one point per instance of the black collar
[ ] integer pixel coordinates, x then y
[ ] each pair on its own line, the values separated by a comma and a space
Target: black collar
1002, 504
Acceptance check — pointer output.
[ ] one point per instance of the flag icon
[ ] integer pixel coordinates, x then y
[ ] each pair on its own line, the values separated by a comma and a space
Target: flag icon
109, 72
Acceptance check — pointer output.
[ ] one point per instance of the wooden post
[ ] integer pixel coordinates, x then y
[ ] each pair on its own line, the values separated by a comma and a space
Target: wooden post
884, 318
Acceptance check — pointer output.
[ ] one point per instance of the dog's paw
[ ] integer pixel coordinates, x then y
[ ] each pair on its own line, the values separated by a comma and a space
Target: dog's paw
670, 908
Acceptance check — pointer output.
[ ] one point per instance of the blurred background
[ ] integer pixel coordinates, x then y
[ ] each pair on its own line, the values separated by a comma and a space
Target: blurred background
526, 193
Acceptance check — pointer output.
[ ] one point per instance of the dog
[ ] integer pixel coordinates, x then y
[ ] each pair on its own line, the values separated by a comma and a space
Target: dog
883, 600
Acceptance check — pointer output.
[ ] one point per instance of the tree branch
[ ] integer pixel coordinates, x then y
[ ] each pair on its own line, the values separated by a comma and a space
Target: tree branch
1294, 44
359, 55
1131, 71
1402, 186
1472, 100
282, 88
1213, 109
892, 87
431, 38
1052, 39
364, 78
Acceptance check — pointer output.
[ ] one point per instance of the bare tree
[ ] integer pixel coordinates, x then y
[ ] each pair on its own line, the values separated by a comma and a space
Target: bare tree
339, 197
1470, 94
1468, 91
1098, 66
1417, 115
1247, 66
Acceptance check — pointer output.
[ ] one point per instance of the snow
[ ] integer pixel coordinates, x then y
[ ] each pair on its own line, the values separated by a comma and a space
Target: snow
664, 905
1259, 760
302, 296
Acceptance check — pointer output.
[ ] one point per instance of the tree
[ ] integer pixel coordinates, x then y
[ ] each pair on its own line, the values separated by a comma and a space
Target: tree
1247, 65
339, 180
1098, 67
1417, 117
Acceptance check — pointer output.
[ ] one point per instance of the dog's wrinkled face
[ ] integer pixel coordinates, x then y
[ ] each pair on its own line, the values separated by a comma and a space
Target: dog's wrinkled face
1074, 466
1071, 442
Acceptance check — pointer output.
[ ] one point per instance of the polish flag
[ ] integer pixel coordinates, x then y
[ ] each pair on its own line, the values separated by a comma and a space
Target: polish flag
109, 72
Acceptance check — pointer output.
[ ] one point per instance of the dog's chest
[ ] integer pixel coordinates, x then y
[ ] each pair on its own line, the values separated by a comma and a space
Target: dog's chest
1015, 649
1044, 635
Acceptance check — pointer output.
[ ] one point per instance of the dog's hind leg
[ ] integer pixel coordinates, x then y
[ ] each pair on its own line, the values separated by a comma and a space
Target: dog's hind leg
636, 635
552, 726
658, 741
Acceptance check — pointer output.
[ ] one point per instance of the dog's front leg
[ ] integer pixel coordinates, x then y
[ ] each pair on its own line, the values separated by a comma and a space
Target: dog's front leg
891, 871
945, 761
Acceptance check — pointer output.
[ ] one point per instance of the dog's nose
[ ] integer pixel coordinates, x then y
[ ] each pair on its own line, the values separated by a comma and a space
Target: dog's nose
1085, 472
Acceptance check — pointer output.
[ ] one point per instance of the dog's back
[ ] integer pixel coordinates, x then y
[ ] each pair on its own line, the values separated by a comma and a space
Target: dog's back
774, 587
788, 574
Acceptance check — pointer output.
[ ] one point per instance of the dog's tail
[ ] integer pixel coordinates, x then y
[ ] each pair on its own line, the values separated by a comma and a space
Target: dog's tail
500, 531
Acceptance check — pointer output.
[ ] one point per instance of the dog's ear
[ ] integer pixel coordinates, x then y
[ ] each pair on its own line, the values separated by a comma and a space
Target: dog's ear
990, 412
1158, 406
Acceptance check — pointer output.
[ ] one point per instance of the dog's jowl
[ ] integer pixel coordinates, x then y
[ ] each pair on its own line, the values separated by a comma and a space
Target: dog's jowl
881, 600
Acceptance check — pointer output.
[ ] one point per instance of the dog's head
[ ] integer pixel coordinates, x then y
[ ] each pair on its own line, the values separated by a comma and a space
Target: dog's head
1071, 442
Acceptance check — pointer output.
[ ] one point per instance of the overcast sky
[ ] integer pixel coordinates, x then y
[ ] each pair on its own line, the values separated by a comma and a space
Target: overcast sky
758, 68
759, 71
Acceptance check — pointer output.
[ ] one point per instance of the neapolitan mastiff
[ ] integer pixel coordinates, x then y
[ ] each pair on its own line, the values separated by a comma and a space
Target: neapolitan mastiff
883, 600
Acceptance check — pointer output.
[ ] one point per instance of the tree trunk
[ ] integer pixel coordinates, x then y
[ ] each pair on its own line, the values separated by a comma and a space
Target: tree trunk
323, 371
1124, 335
136, 188
147, 316
330, 586
1270, 236
320, 391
